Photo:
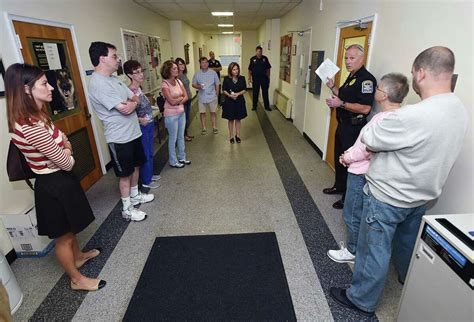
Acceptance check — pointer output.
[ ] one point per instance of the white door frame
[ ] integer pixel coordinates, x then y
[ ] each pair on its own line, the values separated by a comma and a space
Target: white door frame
19, 58
310, 30
371, 41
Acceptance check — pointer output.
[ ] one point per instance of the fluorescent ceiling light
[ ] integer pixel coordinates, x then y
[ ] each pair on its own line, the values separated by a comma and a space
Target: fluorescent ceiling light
222, 14
225, 25
228, 32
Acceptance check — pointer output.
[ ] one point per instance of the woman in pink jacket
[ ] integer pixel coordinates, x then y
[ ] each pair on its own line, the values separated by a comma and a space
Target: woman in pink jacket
389, 95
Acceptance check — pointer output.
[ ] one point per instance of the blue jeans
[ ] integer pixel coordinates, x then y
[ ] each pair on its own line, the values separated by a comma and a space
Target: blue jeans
146, 170
352, 212
380, 225
175, 125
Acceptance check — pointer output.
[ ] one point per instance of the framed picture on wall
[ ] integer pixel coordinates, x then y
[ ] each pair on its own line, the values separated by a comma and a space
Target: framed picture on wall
186, 53
315, 83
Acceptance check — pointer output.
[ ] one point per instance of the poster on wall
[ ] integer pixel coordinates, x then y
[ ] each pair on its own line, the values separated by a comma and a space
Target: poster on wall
146, 50
315, 83
52, 58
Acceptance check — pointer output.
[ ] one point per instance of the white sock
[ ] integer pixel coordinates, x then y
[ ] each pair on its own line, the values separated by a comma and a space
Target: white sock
126, 203
134, 191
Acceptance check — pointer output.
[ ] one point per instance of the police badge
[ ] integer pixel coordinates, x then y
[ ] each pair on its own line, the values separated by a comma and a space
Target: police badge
367, 87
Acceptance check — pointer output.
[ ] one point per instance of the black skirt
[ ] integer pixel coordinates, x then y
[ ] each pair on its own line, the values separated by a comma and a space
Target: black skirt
61, 205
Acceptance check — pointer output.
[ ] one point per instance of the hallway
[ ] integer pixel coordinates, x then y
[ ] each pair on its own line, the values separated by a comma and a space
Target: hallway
271, 182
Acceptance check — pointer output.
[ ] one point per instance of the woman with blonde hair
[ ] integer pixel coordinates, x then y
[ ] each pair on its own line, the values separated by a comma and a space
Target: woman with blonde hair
62, 208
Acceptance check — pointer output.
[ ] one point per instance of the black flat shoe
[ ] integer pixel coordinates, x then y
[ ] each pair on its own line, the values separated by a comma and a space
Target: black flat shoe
268, 109
232, 140
332, 191
254, 108
238, 139
339, 295
338, 204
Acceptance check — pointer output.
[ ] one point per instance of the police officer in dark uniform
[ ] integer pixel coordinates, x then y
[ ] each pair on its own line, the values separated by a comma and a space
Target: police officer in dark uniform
259, 76
353, 102
216, 66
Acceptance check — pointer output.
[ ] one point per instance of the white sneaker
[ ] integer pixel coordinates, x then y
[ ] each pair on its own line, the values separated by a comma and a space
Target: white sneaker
133, 214
341, 255
142, 198
152, 185
156, 177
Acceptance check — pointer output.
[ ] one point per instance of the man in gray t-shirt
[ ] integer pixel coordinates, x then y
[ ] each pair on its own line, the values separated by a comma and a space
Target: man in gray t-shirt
115, 106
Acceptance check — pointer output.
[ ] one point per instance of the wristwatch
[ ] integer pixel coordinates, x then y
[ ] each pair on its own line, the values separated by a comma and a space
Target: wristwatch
343, 105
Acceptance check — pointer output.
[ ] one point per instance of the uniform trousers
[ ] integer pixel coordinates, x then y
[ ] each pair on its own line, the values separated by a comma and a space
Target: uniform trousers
346, 135
264, 83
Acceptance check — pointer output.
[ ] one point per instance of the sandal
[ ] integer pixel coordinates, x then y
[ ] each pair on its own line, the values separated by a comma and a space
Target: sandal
203, 132
187, 139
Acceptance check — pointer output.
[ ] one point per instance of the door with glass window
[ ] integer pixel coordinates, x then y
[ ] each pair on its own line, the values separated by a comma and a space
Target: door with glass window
349, 36
52, 49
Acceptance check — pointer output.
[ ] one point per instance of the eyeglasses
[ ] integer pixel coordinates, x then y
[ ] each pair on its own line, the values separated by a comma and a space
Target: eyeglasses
378, 88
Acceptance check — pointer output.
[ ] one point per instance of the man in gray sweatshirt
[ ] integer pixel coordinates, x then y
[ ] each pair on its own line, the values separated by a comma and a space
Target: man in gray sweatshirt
416, 147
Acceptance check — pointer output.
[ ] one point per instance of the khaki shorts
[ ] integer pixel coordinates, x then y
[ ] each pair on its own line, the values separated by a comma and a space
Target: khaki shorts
212, 106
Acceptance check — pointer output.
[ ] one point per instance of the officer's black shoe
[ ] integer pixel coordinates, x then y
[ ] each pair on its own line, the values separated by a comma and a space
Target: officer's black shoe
254, 108
332, 191
268, 109
339, 295
338, 204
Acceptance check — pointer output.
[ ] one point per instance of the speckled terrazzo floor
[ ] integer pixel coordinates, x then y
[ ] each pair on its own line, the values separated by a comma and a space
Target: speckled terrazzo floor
272, 181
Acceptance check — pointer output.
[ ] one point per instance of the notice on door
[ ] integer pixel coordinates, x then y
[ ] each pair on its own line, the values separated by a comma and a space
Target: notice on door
52, 55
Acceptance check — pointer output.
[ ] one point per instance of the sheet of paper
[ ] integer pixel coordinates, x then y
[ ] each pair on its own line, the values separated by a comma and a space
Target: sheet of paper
326, 70
52, 55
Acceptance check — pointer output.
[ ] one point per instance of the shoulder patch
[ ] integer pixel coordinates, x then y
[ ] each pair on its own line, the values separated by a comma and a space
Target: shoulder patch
367, 87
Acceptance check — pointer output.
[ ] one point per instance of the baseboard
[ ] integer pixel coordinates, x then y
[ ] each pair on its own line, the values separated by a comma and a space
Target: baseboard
315, 147
109, 166
11, 256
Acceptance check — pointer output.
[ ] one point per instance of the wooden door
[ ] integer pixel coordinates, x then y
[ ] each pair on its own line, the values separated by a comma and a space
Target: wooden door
52, 49
348, 36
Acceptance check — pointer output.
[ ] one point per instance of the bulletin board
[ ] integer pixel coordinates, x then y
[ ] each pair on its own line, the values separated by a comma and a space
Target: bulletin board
146, 50
285, 58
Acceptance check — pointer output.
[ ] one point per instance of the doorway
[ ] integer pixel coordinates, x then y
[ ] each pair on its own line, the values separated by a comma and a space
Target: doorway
360, 34
52, 49
303, 45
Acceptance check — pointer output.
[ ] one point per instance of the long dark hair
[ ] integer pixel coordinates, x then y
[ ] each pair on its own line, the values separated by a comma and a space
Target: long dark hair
20, 105
181, 60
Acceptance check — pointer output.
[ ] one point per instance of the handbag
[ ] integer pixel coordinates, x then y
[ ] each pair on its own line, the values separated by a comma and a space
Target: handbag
160, 101
17, 167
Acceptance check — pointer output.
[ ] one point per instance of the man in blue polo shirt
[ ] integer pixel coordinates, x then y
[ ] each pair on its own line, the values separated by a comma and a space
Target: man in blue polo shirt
207, 83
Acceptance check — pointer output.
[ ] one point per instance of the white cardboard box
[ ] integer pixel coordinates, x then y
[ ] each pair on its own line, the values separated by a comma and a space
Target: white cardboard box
23, 233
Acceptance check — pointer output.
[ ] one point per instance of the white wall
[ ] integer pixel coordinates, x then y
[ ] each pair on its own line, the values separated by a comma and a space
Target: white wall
249, 42
92, 20
403, 29
269, 32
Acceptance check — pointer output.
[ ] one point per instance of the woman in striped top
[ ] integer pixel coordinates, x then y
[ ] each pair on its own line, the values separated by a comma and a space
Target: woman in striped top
62, 208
